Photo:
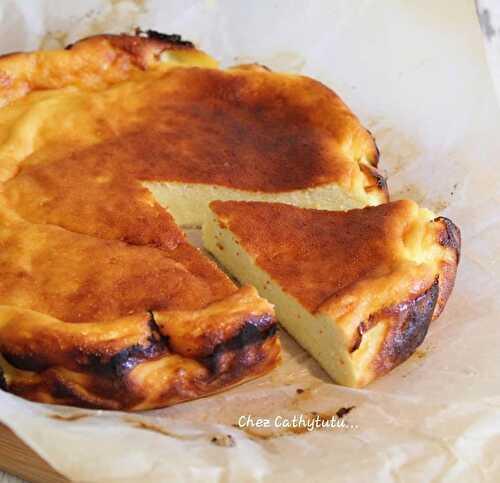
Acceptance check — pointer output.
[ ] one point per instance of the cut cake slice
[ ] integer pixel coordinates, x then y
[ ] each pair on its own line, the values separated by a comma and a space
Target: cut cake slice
356, 289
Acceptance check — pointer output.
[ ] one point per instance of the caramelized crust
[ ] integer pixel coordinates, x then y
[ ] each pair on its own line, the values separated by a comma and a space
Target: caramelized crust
244, 128
103, 303
78, 278
315, 254
78, 319
134, 363
406, 324
92, 63
380, 273
137, 377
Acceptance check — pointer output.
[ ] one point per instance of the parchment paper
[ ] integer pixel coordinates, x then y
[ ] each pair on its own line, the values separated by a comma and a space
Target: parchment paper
416, 74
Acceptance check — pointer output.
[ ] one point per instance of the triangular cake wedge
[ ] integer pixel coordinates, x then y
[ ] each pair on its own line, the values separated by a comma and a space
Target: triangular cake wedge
356, 289
103, 303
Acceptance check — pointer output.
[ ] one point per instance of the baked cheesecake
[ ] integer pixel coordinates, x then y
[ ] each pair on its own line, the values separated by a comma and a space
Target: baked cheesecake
106, 324
147, 123
357, 289
105, 148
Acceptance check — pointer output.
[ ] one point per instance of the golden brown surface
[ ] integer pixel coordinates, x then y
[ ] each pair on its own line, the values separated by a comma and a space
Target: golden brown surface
102, 299
391, 267
131, 363
313, 253
103, 303
280, 132
244, 128
81, 316
93, 63
78, 278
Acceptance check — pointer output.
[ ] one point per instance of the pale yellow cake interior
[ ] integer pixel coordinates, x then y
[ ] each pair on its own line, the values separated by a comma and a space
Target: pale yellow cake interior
188, 203
316, 334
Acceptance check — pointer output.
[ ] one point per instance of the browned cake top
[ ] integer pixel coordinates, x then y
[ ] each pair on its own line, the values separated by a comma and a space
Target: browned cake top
315, 255
91, 122
77, 278
380, 275
103, 302
246, 129
63, 114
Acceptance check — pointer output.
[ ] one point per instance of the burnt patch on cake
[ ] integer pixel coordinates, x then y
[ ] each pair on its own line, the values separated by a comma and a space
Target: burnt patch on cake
410, 323
124, 361
67, 393
375, 181
87, 390
450, 235
107, 357
381, 182
141, 48
103, 376
3, 381
26, 362
171, 39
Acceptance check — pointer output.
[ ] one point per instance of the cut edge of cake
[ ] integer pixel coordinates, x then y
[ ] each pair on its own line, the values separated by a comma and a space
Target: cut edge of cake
188, 203
355, 350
